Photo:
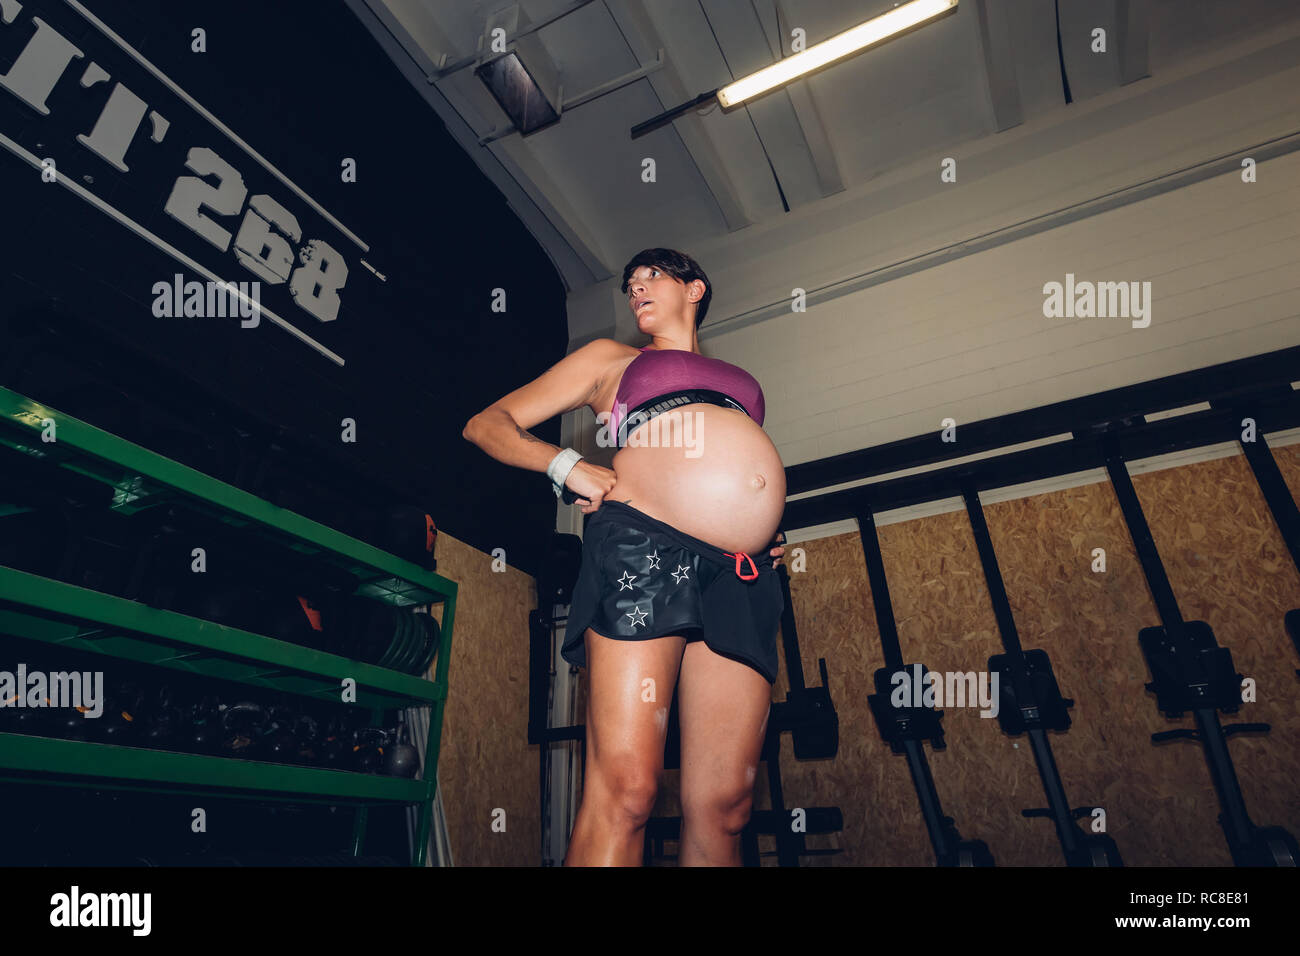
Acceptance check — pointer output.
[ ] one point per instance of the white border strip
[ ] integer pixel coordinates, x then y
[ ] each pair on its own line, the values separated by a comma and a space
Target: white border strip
936, 466
1137, 466
1175, 412
161, 244
161, 77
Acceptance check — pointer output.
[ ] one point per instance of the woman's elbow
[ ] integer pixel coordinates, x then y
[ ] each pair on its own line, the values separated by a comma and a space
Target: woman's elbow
473, 429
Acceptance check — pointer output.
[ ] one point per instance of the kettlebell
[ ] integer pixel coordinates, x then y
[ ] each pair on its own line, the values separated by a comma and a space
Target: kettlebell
32, 721
242, 725
162, 731
369, 749
278, 744
118, 725
401, 760
205, 726
336, 746
306, 736
72, 725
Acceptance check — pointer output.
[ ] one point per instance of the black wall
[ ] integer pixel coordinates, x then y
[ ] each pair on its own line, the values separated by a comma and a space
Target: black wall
305, 85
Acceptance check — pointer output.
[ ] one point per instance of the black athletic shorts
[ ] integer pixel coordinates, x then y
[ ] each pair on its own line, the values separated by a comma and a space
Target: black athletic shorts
641, 578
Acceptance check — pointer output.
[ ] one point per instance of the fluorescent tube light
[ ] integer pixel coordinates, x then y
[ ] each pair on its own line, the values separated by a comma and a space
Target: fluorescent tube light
837, 47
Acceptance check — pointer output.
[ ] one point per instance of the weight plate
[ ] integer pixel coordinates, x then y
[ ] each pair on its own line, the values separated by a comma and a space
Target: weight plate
414, 641
435, 638
403, 649
422, 645
400, 639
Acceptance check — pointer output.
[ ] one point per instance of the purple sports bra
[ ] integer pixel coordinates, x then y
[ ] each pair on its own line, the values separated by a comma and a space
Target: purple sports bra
658, 372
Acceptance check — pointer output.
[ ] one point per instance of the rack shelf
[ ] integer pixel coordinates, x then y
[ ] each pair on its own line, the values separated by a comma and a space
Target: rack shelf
142, 479
61, 614
109, 764
41, 609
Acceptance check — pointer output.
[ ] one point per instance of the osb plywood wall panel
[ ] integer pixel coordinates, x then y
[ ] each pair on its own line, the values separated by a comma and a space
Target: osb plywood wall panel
486, 762
1228, 566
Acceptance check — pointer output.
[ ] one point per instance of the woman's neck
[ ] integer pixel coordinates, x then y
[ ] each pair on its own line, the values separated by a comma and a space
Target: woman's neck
664, 344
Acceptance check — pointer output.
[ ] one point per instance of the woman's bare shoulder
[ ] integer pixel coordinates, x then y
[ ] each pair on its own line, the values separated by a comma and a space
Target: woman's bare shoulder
612, 347
608, 353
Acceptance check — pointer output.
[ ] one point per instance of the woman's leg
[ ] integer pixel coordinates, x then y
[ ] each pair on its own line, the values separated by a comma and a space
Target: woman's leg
629, 691
723, 706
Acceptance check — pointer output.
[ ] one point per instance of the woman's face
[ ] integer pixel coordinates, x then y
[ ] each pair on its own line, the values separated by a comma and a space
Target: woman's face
658, 300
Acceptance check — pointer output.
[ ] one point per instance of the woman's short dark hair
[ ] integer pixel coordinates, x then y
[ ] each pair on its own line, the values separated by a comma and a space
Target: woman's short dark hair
678, 265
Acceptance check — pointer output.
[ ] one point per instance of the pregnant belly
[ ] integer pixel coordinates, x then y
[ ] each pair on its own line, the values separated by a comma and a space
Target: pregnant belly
709, 471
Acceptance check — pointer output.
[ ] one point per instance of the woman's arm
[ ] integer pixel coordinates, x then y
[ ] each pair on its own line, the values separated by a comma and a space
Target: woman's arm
501, 429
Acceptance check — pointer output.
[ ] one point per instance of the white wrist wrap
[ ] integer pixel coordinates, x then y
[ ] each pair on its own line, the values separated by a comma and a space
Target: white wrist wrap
560, 466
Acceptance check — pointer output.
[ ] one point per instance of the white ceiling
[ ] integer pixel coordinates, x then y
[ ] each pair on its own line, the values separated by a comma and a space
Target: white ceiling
577, 184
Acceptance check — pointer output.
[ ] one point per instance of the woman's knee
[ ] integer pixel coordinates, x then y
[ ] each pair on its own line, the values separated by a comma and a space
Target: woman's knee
727, 809
627, 787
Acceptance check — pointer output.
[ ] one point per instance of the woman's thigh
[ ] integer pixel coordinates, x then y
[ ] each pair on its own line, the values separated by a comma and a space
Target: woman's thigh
723, 706
630, 688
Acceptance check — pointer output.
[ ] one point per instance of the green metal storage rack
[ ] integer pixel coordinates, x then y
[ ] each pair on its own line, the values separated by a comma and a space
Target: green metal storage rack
41, 609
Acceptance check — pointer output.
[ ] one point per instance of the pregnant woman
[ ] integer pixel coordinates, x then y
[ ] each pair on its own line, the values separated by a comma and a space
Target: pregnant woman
678, 587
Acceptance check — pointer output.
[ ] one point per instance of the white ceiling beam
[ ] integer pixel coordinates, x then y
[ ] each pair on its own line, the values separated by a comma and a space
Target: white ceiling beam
1133, 25
1090, 72
998, 57
645, 40
804, 102
745, 48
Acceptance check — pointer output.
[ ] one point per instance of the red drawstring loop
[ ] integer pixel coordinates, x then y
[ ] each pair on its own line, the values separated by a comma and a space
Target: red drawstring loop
738, 555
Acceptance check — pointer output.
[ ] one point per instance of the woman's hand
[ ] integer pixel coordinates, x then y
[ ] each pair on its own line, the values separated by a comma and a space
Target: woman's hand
779, 549
591, 483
